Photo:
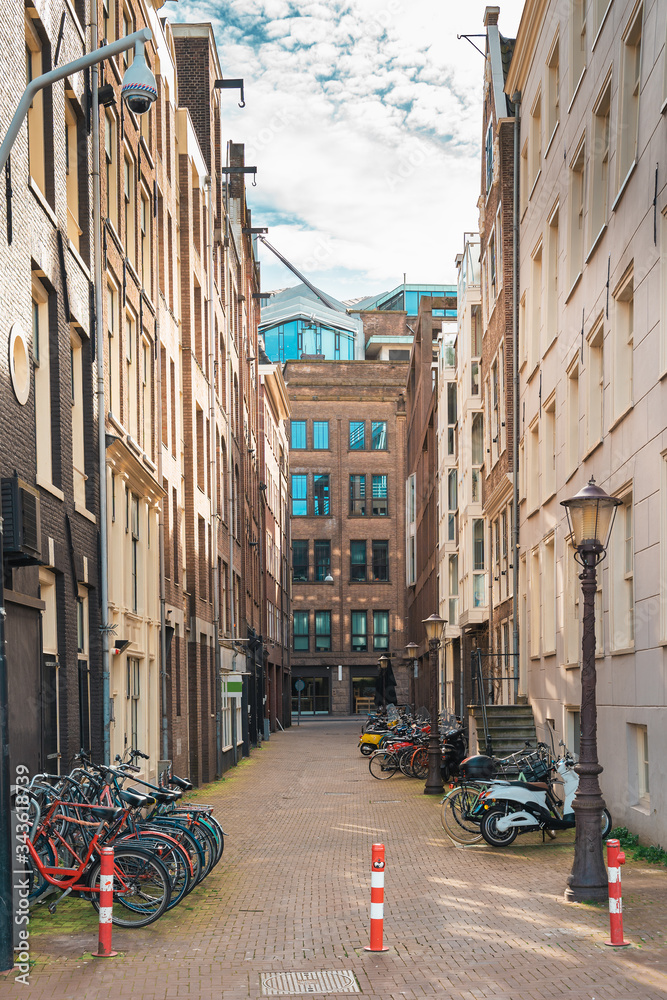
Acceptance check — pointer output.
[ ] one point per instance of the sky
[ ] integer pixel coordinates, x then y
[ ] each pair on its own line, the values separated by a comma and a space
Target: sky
363, 118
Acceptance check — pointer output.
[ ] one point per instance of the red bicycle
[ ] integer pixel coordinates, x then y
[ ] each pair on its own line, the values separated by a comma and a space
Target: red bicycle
142, 888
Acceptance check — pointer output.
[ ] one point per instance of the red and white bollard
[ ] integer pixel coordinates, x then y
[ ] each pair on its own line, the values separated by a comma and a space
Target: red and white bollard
104, 949
615, 858
377, 899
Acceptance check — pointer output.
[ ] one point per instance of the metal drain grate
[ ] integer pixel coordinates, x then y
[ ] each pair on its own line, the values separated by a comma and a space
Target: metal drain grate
292, 984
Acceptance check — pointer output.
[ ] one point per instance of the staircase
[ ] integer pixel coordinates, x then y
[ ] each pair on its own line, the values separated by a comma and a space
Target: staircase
509, 728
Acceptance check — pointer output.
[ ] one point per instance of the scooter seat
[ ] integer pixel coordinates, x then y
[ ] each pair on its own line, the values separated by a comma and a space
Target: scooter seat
534, 786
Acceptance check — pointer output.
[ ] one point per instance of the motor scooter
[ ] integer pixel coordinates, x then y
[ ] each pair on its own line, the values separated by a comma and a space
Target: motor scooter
454, 750
513, 807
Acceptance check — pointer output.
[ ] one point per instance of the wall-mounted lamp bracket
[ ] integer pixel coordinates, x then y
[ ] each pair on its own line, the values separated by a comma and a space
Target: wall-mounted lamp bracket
232, 85
241, 170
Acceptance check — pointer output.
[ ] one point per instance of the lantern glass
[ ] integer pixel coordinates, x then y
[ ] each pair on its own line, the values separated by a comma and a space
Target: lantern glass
383, 661
434, 626
591, 516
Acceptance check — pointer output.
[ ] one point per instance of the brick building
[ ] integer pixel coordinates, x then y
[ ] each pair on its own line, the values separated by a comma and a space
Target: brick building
496, 206
276, 543
48, 445
347, 455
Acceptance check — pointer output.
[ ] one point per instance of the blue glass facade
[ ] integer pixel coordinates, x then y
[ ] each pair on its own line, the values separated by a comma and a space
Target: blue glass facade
288, 341
406, 299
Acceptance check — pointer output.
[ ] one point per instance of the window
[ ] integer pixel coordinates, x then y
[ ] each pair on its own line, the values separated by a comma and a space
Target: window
410, 532
572, 429
299, 495
130, 414
535, 141
300, 560
577, 42
577, 208
453, 589
379, 435
134, 568
553, 89
35, 66
41, 348
600, 164
300, 631
357, 434
535, 308
533, 466
380, 495
82, 645
78, 421
381, 630
359, 632
549, 448
109, 20
321, 495
322, 631
496, 415
574, 731
358, 560
133, 693
571, 592
549, 597
523, 178
535, 602
110, 155
551, 319
452, 505
320, 435
488, 156
381, 562
628, 111
145, 245
452, 420
72, 171
128, 28
129, 207
357, 494
595, 386
523, 356
478, 563
622, 577
298, 439
639, 736
477, 456
623, 337
492, 283
322, 560
475, 332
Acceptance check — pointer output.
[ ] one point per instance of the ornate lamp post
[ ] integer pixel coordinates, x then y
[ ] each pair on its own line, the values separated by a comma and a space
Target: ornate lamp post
383, 663
434, 627
411, 654
590, 516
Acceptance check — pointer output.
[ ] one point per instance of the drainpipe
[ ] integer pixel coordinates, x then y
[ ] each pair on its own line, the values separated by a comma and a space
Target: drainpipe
161, 514
101, 409
516, 100
232, 499
214, 491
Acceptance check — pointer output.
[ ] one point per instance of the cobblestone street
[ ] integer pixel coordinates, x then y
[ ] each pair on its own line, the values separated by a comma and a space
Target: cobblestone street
292, 894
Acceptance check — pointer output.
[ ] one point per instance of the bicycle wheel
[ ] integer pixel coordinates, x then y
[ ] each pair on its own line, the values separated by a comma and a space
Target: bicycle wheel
383, 764
456, 817
172, 856
405, 761
141, 888
420, 763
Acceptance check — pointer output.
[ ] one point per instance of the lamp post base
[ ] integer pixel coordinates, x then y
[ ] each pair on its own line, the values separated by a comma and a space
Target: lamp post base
433, 784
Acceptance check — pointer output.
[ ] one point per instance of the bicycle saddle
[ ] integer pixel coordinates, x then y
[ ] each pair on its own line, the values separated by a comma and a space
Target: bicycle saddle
181, 783
164, 797
134, 798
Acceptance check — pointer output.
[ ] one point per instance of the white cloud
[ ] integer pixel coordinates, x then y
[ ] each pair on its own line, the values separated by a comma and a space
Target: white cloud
364, 120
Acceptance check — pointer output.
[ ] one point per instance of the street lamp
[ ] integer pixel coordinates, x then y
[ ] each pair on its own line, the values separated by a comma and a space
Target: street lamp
383, 663
411, 653
434, 626
590, 516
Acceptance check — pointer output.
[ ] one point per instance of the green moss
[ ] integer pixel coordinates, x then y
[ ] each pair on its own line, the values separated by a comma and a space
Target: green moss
652, 854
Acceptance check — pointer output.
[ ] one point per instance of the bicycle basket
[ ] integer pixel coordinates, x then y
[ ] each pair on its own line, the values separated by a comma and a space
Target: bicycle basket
478, 768
534, 769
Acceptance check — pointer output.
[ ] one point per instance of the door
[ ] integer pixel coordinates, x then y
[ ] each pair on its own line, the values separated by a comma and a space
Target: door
314, 697
24, 656
363, 695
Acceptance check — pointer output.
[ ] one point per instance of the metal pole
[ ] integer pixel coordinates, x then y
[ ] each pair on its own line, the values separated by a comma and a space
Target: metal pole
515, 399
6, 866
588, 880
161, 517
68, 69
433, 784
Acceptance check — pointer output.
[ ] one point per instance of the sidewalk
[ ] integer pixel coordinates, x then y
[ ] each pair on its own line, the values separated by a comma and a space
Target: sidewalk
292, 894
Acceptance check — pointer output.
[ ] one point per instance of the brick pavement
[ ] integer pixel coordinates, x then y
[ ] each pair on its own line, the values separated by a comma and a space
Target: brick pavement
292, 893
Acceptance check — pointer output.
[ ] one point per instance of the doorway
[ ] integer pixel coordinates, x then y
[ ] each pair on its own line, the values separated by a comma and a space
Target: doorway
363, 695
315, 697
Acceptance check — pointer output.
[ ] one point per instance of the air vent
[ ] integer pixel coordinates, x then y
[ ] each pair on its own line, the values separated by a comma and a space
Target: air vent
21, 523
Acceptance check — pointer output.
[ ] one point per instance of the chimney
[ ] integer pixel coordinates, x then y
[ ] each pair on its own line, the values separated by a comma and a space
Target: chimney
491, 16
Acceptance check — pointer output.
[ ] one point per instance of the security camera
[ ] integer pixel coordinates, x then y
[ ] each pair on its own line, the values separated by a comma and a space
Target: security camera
139, 88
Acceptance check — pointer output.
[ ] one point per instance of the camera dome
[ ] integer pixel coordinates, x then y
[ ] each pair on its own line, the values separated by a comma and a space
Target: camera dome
139, 89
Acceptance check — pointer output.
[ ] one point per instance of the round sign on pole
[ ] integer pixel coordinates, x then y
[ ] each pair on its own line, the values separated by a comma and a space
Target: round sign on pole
299, 685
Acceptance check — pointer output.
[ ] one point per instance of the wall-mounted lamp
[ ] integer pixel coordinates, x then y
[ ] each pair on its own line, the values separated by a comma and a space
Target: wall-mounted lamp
120, 645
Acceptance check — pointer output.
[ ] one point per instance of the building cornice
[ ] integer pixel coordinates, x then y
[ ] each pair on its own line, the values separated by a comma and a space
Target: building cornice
532, 20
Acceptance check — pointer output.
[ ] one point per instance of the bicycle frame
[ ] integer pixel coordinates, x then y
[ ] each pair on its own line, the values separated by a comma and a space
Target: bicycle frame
72, 875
